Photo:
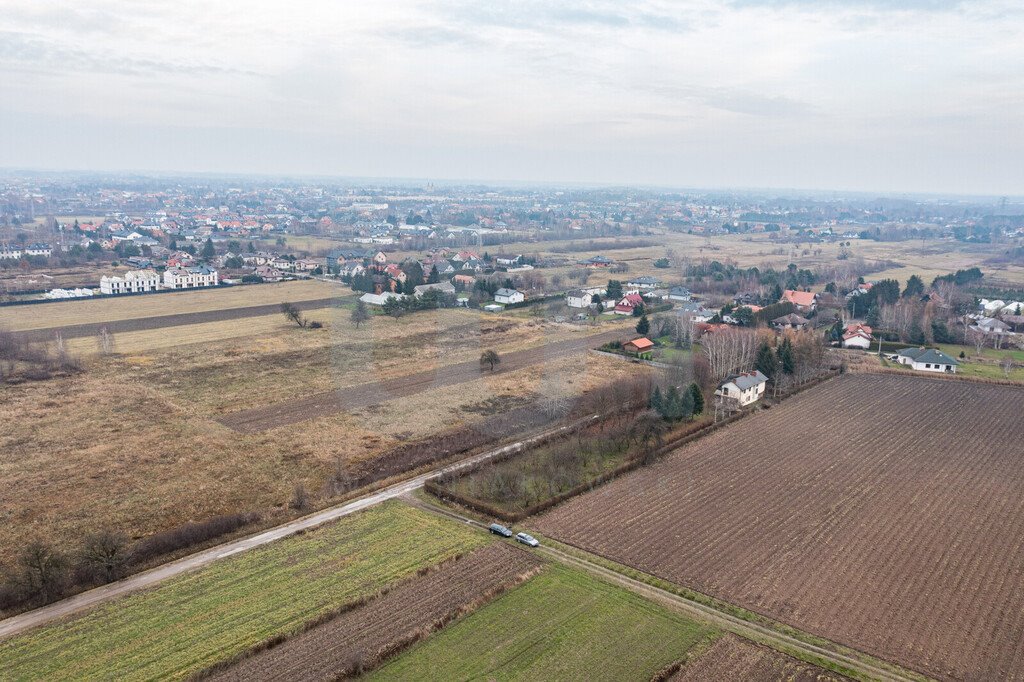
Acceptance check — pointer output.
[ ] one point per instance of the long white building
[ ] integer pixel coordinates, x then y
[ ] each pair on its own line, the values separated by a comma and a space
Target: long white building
190, 278
133, 282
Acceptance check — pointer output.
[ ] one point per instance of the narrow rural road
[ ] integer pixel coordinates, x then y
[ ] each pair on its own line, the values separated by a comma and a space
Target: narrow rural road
694, 609
299, 410
30, 619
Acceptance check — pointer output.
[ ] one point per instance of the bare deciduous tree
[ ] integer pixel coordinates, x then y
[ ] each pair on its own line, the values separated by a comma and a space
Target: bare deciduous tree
729, 351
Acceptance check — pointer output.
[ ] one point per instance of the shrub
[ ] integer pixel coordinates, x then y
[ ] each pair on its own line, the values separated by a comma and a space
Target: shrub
188, 535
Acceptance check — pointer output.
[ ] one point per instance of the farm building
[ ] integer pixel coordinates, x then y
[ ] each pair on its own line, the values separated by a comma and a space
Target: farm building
744, 388
507, 296
641, 345
926, 360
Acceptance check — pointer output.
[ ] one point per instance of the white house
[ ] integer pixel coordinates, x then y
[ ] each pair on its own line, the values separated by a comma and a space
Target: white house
577, 298
857, 336
644, 283
379, 299
744, 388
443, 287
38, 249
9, 252
190, 277
926, 360
351, 269
681, 294
506, 296
134, 281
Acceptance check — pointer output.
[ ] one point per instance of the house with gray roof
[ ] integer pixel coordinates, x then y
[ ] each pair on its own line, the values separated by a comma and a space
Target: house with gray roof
745, 388
926, 360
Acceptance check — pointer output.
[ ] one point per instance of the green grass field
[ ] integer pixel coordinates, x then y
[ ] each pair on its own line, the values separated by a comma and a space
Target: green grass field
561, 625
194, 621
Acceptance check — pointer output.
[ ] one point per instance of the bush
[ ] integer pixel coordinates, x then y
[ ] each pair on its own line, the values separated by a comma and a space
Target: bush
188, 535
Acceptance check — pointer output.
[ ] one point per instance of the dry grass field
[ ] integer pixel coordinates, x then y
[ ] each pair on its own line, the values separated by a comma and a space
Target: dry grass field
882, 512
133, 444
66, 313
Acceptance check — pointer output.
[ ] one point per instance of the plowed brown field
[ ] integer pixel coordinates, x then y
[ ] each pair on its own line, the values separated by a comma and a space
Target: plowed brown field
361, 638
882, 512
735, 658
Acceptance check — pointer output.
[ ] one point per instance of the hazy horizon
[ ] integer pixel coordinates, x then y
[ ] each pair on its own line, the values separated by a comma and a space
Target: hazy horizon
910, 97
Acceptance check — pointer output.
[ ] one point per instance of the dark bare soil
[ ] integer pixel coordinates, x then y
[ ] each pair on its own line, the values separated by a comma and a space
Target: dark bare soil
882, 512
735, 658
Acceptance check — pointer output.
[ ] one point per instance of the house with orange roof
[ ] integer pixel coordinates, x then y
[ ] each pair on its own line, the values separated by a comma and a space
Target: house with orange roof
804, 301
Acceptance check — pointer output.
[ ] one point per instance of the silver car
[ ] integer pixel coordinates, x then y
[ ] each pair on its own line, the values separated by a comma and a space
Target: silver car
527, 540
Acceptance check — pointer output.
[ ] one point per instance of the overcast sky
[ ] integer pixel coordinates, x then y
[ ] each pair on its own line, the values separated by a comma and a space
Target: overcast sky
898, 95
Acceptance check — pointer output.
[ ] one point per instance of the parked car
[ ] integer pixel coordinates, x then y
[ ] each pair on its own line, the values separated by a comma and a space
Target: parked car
499, 529
527, 539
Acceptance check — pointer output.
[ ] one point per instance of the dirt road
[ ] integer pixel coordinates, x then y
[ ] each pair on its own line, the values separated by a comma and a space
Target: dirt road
363, 395
30, 619
76, 331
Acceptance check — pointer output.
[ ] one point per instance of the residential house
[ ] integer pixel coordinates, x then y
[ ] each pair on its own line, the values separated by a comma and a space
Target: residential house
268, 273
695, 312
644, 283
443, 287
857, 335
743, 388
39, 249
379, 299
791, 321
597, 262
379, 259
508, 260
804, 301
465, 281
351, 269
926, 360
577, 298
641, 345
133, 282
681, 294
628, 303
9, 252
506, 296
190, 278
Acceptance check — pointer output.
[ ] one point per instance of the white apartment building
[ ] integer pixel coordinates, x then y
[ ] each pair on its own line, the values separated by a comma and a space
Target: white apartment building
190, 278
133, 282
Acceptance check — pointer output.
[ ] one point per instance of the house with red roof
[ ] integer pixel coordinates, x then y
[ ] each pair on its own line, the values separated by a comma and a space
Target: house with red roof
628, 303
857, 335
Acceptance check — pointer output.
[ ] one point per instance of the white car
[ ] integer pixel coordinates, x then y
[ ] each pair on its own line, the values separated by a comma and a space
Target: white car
527, 539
